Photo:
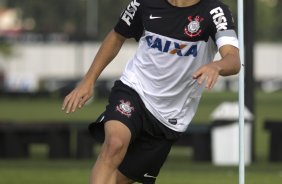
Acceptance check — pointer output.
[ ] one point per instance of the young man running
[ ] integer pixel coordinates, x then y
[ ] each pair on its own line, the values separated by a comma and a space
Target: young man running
158, 93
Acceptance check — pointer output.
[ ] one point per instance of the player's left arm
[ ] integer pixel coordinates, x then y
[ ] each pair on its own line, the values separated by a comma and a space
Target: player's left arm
228, 65
230, 62
222, 30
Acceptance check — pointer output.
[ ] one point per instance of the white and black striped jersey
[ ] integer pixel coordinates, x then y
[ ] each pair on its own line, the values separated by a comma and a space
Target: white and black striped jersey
173, 43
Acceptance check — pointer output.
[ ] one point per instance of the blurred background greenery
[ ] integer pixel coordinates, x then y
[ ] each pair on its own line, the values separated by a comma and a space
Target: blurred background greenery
70, 16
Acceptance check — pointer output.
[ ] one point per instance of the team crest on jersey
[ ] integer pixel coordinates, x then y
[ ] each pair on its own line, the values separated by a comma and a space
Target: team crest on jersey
193, 29
125, 108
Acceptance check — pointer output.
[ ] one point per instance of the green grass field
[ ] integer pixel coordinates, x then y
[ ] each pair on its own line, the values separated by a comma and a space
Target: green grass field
179, 168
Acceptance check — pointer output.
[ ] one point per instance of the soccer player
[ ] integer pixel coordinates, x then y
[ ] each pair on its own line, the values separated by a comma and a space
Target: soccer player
157, 95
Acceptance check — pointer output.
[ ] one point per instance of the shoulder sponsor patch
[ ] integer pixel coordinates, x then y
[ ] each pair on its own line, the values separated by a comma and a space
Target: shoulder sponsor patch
130, 11
219, 18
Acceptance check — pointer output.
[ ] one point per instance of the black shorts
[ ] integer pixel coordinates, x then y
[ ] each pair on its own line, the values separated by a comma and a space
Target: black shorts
150, 141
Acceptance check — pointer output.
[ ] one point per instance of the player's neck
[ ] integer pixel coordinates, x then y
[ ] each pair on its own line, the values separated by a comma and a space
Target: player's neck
183, 3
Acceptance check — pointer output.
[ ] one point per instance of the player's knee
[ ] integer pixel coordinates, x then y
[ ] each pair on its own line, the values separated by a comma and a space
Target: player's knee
113, 146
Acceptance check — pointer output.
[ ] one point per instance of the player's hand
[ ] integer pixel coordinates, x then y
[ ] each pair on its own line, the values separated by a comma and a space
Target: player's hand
208, 73
78, 97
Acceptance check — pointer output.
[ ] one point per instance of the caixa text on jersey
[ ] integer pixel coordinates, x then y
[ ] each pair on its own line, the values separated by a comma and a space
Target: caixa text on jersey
172, 47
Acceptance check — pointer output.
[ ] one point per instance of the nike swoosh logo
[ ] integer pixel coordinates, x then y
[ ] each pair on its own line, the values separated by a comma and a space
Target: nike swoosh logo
149, 176
153, 17
102, 119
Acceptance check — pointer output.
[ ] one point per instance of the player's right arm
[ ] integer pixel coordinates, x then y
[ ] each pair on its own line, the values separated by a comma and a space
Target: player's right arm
129, 26
107, 52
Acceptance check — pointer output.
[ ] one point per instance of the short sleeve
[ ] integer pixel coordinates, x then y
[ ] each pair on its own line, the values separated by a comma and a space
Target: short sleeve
223, 29
130, 23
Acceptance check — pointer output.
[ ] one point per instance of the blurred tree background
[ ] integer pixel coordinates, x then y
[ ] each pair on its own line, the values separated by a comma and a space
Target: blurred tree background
267, 20
70, 16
